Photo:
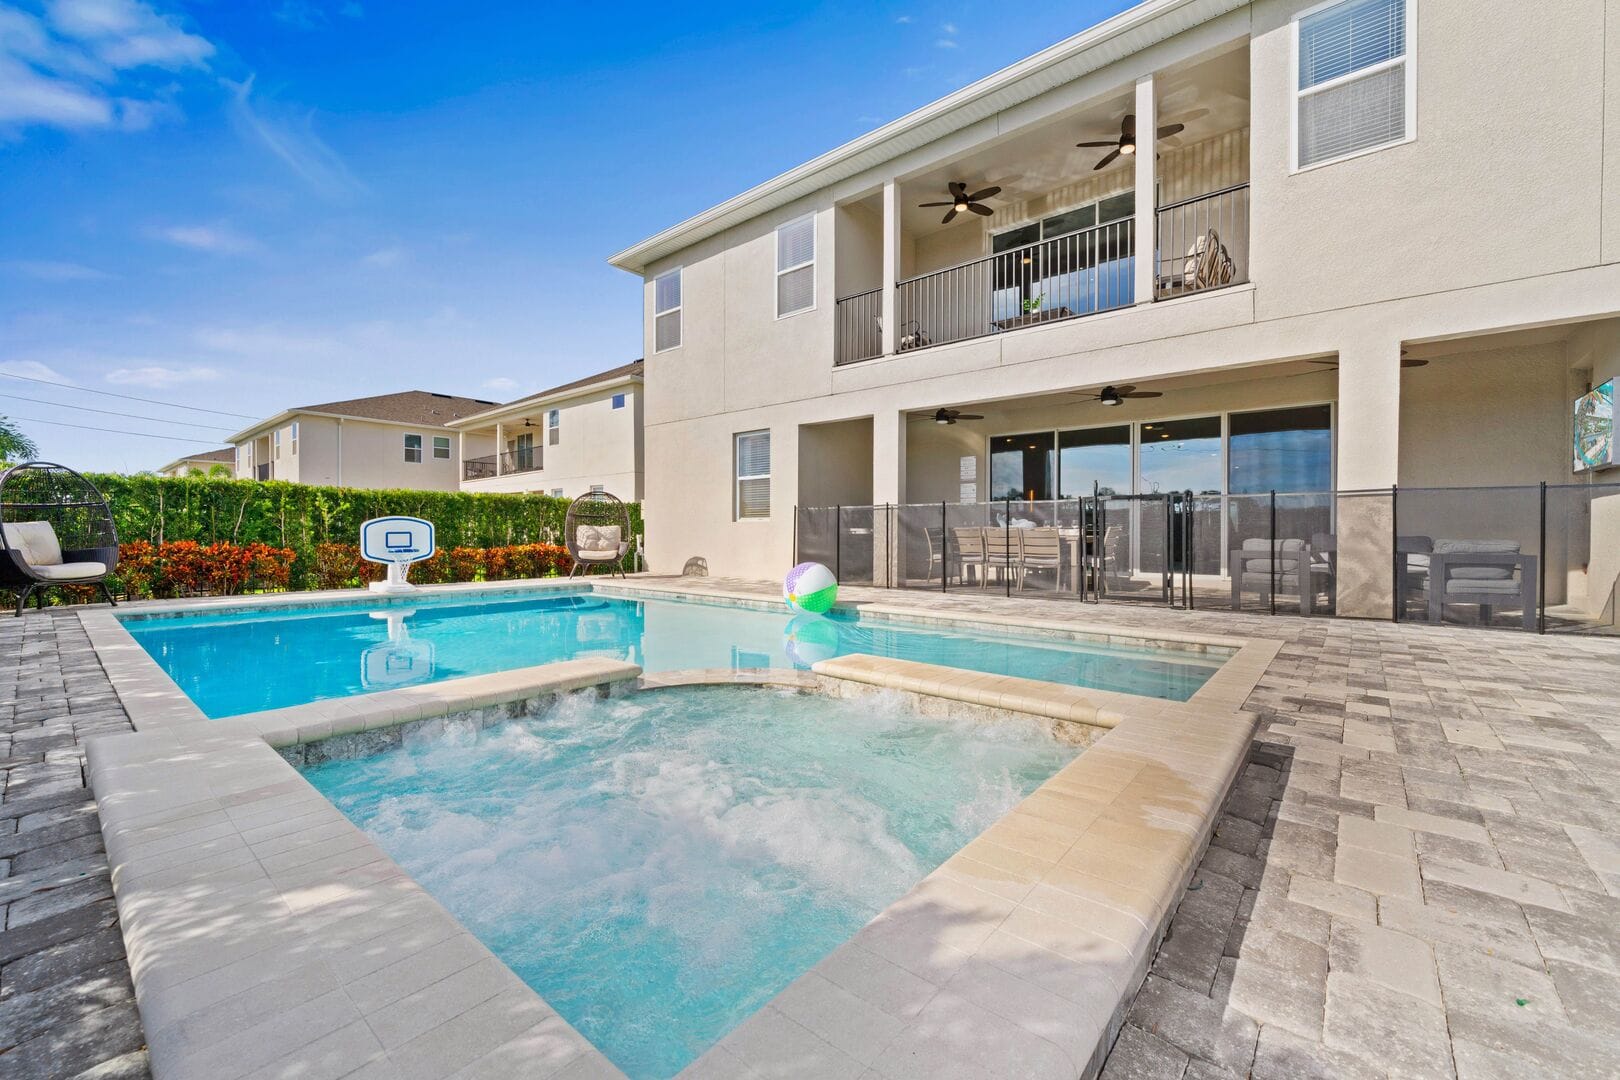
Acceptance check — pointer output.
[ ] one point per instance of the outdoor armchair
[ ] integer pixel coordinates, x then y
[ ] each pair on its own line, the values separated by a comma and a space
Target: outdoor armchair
597, 532
1487, 573
55, 529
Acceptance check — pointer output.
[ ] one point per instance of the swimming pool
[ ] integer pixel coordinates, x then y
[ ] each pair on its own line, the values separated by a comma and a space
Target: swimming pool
658, 866
233, 663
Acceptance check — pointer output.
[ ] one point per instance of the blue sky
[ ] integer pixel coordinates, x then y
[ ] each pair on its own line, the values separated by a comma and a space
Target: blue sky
244, 206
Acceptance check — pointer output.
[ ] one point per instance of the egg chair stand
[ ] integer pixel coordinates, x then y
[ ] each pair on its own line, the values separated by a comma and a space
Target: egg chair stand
597, 532
55, 529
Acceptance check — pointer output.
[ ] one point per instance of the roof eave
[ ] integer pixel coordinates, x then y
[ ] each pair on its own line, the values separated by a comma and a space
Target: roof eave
524, 404
1133, 29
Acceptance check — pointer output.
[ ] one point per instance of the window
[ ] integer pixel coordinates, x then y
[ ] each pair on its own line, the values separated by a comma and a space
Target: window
796, 266
275, 437
1066, 277
1022, 466
753, 460
667, 311
556, 493
522, 447
1355, 90
597, 489
295, 439
618, 401
554, 426
441, 447
1094, 456
1280, 450
413, 448
1181, 455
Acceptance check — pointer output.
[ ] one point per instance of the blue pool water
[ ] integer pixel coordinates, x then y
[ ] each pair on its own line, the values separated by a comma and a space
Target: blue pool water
231, 664
658, 866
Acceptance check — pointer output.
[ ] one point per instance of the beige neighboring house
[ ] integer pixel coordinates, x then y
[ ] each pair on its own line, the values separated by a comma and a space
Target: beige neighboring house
1339, 187
399, 440
564, 441
202, 463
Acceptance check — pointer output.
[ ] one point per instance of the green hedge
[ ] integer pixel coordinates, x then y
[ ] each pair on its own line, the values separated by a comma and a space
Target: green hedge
159, 509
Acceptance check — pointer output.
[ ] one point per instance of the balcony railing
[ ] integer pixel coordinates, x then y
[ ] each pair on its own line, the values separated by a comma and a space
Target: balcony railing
511, 461
263, 472
1064, 277
860, 327
1204, 242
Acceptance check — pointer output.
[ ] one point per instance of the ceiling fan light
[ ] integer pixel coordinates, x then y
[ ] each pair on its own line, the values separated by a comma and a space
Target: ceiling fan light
942, 417
1127, 148
1110, 396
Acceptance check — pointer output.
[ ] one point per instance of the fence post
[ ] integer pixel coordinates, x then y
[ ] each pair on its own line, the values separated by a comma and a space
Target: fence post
838, 543
1187, 548
795, 534
1398, 565
1271, 561
1006, 548
944, 550
889, 566
1541, 567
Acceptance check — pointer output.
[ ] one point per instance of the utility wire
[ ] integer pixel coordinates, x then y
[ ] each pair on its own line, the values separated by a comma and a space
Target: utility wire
113, 412
110, 431
126, 397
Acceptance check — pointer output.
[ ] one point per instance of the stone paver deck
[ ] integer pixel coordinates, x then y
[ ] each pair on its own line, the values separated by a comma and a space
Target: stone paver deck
1418, 874
67, 1008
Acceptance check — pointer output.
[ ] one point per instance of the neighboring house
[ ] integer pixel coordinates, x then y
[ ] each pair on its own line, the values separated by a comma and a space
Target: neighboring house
389, 441
203, 463
563, 441
1344, 185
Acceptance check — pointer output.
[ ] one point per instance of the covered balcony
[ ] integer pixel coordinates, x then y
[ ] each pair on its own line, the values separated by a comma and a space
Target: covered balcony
1033, 229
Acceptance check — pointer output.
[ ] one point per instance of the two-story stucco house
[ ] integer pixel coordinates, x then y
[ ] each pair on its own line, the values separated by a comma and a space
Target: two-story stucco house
571, 439
1332, 246
205, 463
401, 440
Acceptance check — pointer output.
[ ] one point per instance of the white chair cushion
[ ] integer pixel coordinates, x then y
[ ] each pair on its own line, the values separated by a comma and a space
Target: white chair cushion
35, 541
73, 571
597, 542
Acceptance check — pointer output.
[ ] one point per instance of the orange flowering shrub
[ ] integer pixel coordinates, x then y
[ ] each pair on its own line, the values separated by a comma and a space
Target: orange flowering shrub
187, 568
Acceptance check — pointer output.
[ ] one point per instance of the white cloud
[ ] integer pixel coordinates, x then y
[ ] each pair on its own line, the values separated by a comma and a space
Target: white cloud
500, 384
218, 239
385, 257
67, 68
290, 136
903, 19
33, 369
266, 342
946, 43
47, 270
947, 28
157, 376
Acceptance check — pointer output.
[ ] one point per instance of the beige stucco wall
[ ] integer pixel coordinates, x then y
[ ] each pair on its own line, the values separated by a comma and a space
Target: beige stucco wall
357, 454
1490, 220
597, 444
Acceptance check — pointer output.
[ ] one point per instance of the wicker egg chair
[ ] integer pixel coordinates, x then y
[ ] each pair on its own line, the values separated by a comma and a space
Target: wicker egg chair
597, 532
55, 529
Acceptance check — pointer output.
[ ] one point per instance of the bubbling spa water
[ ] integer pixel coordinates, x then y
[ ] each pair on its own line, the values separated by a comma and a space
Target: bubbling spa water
658, 866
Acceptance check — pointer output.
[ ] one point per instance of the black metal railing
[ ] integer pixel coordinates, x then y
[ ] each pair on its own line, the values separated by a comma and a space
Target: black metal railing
263, 472
1203, 242
859, 327
1079, 273
1542, 557
510, 461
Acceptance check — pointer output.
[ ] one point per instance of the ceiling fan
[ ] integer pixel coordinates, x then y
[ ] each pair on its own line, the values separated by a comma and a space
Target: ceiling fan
1116, 395
1406, 361
948, 416
960, 200
1126, 143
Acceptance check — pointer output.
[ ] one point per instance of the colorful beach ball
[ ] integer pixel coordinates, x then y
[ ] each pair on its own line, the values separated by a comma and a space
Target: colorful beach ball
810, 587
808, 639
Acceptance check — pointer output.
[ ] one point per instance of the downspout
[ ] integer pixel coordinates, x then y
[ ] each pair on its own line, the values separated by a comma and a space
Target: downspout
340, 452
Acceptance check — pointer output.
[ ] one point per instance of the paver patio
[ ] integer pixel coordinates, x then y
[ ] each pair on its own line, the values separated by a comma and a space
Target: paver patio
1418, 875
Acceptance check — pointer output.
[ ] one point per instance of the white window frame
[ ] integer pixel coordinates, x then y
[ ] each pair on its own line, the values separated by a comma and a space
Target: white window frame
737, 477
1409, 58
437, 439
275, 439
679, 310
598, 489
554, 427
556, 493
295, 438
617, 401
776, 255
406, 442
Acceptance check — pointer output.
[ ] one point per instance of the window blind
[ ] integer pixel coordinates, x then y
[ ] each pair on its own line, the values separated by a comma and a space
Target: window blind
1355, 52
795, 266
795, 290
795, 243
1348, 37
667, 311
754, 474
1353, 116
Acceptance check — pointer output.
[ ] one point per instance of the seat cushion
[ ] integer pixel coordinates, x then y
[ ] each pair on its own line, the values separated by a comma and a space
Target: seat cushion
1459, 568
35, 541
73, 571
598, 556
1261, 564
597, 539
1481, 586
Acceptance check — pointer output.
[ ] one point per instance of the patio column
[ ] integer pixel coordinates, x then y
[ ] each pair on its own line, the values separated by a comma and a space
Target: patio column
891, 264
500, 445
888, 486
1369, 457
1147, 211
